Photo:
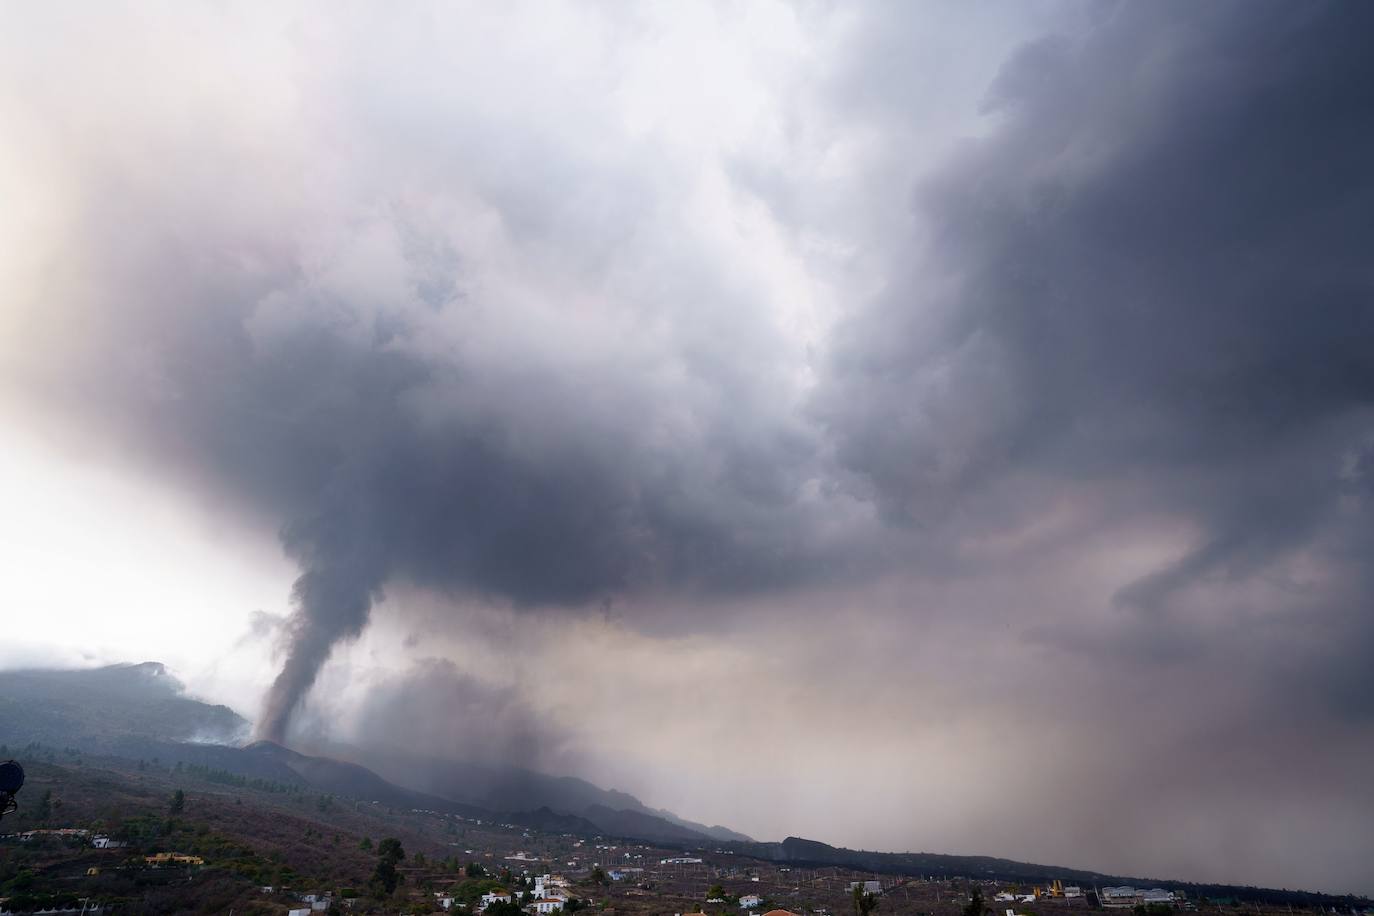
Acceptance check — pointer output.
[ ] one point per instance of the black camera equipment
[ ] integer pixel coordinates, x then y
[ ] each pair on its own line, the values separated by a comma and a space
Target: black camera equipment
11, 781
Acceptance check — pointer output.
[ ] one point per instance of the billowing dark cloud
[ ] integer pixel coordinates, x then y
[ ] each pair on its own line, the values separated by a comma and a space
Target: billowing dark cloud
402, 412
538, 484
1153, 274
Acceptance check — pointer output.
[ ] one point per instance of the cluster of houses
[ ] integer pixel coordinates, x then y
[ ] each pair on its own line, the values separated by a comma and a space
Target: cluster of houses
172, 858
99, 841
1056, 889
314, 903
754, 901
1126, 897
550, 895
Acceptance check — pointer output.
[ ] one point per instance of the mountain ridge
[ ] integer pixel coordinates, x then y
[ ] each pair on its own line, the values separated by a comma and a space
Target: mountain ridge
125, 723
816, 854
517, 788
106, 706
140, 711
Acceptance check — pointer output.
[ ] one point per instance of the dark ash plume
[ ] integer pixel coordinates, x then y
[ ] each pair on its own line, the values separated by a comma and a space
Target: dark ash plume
330, 605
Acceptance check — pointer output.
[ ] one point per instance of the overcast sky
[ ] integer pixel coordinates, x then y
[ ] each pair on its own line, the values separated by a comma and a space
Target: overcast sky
913, 426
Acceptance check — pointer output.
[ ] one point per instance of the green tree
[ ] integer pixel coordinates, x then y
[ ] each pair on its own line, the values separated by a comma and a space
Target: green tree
716, 892
599, 876
475, 870
864, 902
391, 850
365, 844
384, 876
44, 809
178, 802
975, 905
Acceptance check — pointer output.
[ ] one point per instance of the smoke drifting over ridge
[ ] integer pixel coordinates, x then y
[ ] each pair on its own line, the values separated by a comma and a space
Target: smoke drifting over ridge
1083, 404
533, 509
408, 409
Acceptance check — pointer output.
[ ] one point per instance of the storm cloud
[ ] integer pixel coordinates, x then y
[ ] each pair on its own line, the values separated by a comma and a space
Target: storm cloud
1048, 360
547, 437
1152, 275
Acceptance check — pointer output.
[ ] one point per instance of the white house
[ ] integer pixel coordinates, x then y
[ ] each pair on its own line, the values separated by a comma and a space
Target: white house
548, 906
544, 884
301, 911
870, 887
494, 897
749, 901
1123, 896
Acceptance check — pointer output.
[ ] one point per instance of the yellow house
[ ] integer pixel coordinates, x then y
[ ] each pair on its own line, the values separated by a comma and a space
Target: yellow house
173, 858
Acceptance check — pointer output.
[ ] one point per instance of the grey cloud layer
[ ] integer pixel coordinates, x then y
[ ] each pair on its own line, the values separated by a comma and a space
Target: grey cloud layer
1154, 273
404, 414
481, 349
542, 484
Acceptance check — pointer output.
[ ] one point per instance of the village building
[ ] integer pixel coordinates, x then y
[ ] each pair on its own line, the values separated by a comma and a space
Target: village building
494, 897
172, 858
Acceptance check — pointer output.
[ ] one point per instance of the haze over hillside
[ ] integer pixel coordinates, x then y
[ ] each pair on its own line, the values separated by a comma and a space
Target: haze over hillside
141, 711
912, 424
134, 723
109, 708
